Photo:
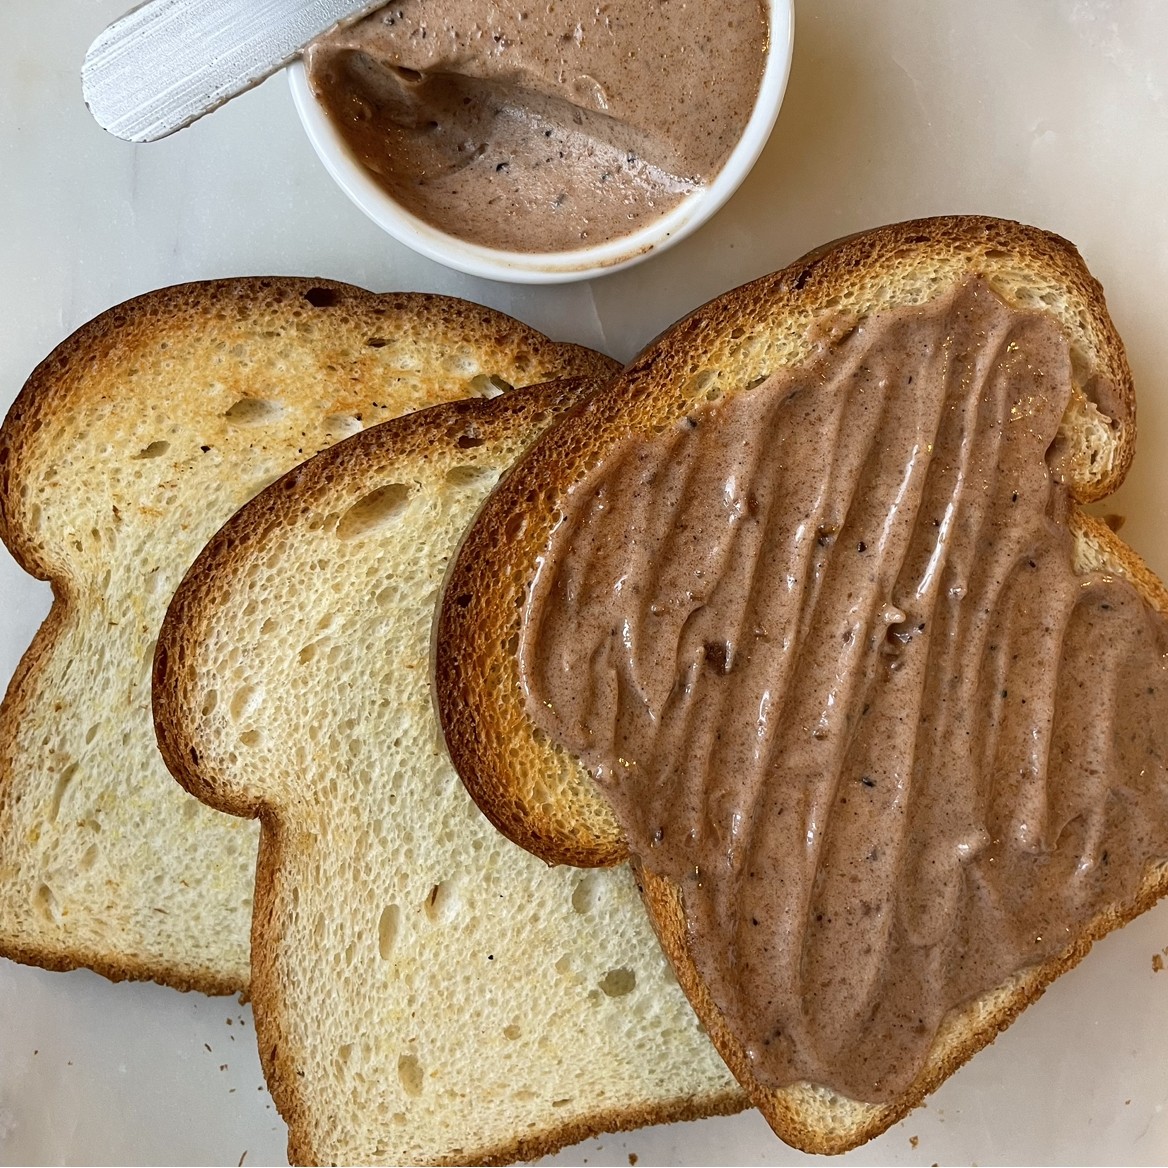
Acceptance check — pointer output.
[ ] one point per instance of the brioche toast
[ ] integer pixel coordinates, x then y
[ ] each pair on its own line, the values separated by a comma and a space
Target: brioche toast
598, 554
424, 991
128, 446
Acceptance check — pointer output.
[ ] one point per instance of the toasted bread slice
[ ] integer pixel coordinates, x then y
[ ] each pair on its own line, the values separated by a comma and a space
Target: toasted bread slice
540, 794
127, 448
424, 990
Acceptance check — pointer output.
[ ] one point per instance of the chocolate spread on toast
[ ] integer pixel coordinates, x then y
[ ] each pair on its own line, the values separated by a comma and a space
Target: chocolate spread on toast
543, 127
824, 646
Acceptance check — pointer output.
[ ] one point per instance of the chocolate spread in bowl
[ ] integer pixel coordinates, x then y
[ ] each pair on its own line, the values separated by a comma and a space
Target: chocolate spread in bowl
543, 127
824, 647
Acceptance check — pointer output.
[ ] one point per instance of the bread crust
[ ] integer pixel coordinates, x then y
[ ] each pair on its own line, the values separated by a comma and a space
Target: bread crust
741, 337
90, 376
541, 797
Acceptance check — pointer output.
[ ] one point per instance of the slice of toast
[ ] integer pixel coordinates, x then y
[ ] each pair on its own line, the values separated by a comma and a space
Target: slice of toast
539, 791
127, 448
424, 991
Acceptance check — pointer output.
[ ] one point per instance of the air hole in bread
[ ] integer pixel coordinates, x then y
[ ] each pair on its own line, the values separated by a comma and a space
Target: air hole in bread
410, 1072
62, 785
244, 702
469, 441
210, 701
322, 297
154, 450
374, 511
91, 733
443, 902
514, 526
1080, 368
44, 903
512, 1032
561, 1102
342, 425
89, 857
253, 411
251, 738
467, 476
377, 342
700, 383
616, 983
387, 929
489, 385
585, 894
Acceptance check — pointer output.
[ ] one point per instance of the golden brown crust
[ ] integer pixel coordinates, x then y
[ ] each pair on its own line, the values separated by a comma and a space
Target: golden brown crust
74, 379
54, 385
541, 797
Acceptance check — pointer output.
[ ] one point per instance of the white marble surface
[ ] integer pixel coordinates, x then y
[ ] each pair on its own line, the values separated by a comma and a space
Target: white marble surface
1053, 111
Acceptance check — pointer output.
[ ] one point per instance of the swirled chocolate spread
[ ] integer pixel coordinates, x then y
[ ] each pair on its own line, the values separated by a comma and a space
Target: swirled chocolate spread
825, 649
543, 126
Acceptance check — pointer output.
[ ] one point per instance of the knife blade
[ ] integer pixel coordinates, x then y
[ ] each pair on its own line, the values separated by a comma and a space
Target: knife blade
168, 62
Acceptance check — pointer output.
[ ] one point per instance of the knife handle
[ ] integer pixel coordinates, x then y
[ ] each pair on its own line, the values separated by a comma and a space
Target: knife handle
168, 62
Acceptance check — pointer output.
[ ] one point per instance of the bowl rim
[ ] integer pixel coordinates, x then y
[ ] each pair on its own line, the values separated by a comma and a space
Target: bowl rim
582, 263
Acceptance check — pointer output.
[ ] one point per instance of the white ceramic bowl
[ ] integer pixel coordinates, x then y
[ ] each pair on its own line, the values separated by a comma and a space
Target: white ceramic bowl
562, 266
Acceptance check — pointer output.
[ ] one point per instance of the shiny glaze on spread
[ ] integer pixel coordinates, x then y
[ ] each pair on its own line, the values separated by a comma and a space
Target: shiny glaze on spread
824, 649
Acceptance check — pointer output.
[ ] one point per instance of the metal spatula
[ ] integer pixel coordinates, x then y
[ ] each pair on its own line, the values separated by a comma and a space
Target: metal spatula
168, 62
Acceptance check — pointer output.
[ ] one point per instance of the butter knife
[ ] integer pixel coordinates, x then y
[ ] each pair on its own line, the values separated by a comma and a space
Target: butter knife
168, 62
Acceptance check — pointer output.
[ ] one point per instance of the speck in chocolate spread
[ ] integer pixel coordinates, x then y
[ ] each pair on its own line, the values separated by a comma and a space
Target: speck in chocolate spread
543, 127
825, 648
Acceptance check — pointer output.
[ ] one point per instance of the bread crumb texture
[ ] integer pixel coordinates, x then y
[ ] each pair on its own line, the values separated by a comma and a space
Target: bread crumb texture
125, 451
424, 990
